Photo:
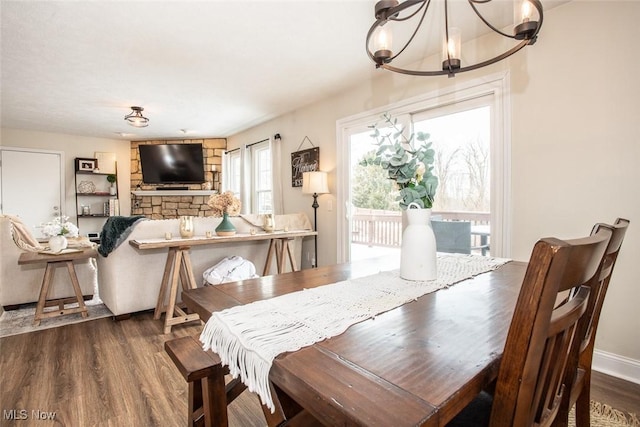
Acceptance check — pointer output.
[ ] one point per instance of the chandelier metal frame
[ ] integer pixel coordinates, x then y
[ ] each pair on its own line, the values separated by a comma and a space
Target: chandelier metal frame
390, 10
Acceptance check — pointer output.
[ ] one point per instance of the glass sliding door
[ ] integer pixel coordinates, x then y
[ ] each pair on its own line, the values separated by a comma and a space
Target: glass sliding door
469, 128
375, 219
461, 137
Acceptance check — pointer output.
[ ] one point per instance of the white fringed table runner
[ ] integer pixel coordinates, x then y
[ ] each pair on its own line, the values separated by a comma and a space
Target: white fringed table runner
248, 337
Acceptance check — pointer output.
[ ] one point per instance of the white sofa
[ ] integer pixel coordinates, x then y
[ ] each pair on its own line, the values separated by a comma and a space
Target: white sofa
20, 284
129, 279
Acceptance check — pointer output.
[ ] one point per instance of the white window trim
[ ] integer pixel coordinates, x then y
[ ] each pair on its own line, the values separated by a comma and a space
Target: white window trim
496, 85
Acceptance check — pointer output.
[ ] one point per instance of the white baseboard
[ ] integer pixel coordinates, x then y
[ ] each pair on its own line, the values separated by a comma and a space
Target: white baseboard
616, 366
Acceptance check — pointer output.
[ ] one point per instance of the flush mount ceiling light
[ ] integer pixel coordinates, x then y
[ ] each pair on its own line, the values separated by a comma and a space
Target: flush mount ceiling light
391, 13
136, 118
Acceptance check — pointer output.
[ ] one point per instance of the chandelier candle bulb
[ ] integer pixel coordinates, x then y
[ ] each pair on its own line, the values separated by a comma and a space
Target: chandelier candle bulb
525, 27
451, 50
525, 11
383, 43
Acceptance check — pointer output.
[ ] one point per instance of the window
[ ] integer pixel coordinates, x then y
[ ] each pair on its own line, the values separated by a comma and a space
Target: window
261, 192
248, 174
234, 173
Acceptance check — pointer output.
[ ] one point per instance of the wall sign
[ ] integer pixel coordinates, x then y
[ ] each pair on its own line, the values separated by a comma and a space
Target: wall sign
304, 161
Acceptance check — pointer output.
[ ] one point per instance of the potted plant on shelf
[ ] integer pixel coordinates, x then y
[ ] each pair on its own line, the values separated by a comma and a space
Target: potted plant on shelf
112, 180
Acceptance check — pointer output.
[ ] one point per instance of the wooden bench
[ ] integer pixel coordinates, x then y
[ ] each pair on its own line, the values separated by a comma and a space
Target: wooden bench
205, 375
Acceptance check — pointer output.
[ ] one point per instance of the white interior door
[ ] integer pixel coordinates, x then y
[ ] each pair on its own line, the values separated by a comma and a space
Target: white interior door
31, 185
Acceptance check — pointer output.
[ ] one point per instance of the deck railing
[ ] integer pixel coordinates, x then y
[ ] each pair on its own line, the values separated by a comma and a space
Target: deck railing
384, 228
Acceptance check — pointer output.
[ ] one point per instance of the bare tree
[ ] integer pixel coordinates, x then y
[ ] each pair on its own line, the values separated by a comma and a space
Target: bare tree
463, 175
476, 158
443, 169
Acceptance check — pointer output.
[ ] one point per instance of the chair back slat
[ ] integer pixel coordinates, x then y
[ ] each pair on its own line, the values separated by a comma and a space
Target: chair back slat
541, 347
600, 285
557, 352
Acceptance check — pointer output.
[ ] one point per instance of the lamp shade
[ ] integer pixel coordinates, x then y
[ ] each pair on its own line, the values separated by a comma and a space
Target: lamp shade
314, 182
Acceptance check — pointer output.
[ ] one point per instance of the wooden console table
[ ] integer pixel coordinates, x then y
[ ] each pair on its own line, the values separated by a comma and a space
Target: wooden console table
52, 260
178, 265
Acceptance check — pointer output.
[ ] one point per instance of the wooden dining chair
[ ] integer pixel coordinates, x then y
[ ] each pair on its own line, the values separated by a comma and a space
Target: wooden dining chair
541, 349
580, 392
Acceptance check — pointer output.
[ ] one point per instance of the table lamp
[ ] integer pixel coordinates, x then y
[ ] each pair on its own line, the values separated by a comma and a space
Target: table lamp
315, 183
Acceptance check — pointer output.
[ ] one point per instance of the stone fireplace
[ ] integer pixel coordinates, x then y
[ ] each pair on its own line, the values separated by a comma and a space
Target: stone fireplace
150, 201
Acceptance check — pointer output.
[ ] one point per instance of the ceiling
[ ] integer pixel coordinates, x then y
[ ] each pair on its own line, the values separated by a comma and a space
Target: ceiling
211, 68
198, 68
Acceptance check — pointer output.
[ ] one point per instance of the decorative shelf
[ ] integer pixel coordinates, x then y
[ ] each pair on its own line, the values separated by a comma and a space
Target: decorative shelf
98, 194
173, 192
94, 200
94, 173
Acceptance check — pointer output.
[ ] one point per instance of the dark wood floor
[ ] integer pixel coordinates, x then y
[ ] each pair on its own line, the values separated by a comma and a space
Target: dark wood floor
109, 373
621, 395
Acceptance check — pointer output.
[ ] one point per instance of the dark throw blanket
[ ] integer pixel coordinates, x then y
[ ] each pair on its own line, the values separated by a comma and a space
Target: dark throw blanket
115, 231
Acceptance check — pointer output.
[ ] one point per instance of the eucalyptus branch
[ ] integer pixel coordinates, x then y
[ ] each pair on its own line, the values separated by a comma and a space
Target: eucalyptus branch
399, 130
411, 168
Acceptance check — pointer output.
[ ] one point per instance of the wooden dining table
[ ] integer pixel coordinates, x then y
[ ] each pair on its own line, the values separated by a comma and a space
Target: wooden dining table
416, 365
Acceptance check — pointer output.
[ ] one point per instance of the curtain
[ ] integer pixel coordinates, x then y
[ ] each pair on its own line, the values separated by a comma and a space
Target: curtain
275, 144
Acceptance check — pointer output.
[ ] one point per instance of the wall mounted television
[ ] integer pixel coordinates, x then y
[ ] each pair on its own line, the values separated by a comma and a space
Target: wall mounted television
172, 164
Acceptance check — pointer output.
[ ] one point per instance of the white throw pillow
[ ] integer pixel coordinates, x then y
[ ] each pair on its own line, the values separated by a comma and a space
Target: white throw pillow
230, 269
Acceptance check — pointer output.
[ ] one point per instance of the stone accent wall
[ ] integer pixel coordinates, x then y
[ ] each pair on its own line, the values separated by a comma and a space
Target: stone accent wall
164, 207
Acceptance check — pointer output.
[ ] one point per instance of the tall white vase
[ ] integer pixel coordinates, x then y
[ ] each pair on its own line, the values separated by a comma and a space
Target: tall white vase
418, 254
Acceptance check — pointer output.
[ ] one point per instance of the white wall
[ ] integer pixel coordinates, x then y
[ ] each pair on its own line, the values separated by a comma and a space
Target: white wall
582, 145
575, 143
76, 146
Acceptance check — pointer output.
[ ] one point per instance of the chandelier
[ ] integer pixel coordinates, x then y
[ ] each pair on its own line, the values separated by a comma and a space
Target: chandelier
527, 17
135, 118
